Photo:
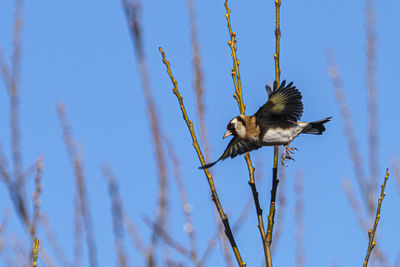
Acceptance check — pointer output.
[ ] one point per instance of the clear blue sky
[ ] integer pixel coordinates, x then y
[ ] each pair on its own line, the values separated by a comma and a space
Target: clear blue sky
80, 53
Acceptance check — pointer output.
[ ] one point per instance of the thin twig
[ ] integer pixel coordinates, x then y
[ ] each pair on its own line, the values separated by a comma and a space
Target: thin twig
35, 251
371, 232
362, 223
209, 177
275, 180
36, 200
117, 215
239, 98
235, 70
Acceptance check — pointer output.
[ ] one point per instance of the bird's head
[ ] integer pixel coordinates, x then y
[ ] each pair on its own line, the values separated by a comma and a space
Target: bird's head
236, 127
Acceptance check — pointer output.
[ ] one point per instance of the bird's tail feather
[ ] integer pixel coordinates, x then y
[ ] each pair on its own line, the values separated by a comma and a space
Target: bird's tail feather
209, 165
316, 127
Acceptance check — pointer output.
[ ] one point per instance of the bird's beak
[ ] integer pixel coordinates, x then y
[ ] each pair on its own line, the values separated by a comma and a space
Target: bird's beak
228, 133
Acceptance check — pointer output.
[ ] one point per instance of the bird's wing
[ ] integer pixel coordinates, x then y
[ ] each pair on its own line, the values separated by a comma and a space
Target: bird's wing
283, 103
236, 146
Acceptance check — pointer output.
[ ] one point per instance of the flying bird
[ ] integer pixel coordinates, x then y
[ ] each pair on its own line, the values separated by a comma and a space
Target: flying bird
275, 123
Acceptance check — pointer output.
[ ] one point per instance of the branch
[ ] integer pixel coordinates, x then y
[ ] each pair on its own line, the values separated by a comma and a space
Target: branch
239, 98
371, 232
35, 251
275, 180
209, 177
36, 195
372, 96
117, 215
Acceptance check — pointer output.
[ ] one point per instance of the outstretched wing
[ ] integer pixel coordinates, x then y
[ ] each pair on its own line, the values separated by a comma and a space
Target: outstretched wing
283, 103
236, 146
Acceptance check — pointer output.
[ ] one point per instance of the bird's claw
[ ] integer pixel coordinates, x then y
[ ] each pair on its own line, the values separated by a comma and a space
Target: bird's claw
286, 154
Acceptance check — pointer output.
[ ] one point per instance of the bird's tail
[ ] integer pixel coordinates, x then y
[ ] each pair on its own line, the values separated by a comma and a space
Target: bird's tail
316, 127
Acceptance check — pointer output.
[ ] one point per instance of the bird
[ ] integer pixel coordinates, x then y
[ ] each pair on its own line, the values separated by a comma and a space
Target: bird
275, 123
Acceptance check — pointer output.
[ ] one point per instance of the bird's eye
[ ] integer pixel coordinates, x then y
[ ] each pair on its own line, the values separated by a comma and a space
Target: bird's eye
231, 127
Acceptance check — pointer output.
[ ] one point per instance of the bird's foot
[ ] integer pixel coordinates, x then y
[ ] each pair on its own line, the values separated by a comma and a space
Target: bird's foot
286, 154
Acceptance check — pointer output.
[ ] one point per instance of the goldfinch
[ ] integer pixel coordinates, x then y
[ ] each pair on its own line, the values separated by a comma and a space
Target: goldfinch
275, 123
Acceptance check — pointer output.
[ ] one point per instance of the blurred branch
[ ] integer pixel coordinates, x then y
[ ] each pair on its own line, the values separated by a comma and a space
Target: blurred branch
209, 177
132, 14
78, 232
371, 232
354, 203
80, 184
134, 236
352, 143
11, 79
198, 77
396, 171
171, 263
168, 239
51, 237
4, 170
299, 218
117, 215
36, 195
36, 201
185, 205
372, 96
3, 226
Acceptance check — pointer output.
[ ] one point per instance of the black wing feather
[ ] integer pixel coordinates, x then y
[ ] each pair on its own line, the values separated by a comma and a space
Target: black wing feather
236, 146
283, 103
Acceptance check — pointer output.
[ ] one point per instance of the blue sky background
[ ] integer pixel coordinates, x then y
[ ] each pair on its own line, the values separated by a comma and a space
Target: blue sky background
80, 53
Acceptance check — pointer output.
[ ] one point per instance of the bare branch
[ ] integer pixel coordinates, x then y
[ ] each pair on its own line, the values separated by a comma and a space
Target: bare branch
117, 215
209, 177
372, 232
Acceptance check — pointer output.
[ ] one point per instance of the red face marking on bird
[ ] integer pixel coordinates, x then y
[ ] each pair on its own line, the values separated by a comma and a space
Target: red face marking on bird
231, 128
